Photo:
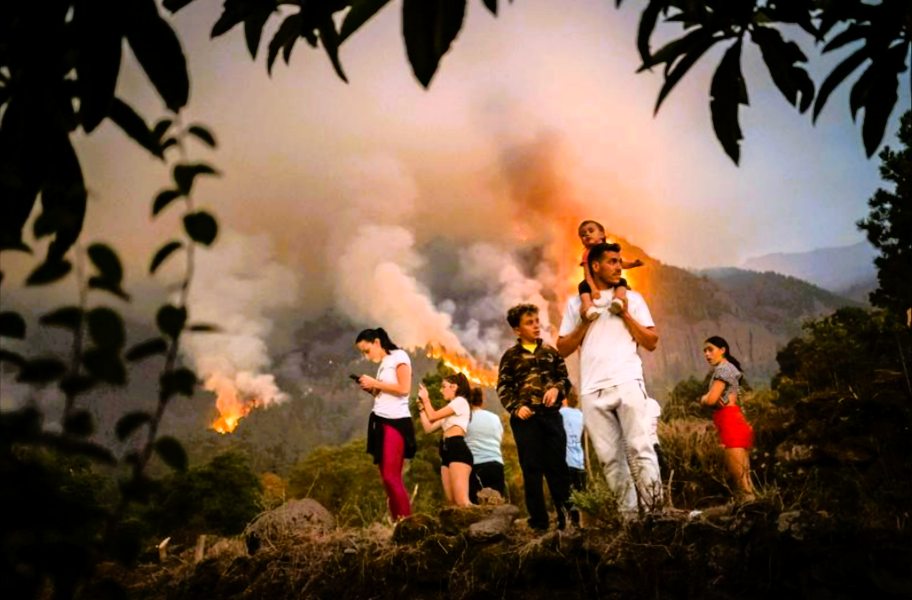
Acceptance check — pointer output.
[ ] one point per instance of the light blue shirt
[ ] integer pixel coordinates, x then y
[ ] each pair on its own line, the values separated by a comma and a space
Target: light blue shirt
484, 436
573, 425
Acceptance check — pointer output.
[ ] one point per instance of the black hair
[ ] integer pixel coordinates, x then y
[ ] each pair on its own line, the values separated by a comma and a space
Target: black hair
372, 335
462, 384
515, 314
476, 398
720, 342
599, 250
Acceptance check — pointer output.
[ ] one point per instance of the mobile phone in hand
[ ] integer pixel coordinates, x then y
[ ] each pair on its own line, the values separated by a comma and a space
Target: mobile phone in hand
355, 378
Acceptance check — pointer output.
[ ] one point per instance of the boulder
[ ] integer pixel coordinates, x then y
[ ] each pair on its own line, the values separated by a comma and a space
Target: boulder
415, 528
495, 526
456, 519
490, 497
295, 517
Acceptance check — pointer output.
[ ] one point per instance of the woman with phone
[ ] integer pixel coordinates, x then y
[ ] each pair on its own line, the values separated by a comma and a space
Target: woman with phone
455, 456
390, 431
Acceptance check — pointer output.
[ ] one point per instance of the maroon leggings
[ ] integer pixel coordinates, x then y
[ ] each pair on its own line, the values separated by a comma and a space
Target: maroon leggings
391, 473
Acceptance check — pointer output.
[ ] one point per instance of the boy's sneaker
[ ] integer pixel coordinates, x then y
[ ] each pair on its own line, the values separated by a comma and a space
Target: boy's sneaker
593, 313
616, 307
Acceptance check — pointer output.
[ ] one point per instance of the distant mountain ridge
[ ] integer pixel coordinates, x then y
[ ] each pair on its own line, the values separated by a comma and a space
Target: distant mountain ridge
834, 269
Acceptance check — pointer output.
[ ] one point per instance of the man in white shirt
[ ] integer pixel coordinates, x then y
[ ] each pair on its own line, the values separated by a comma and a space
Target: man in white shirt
613, 396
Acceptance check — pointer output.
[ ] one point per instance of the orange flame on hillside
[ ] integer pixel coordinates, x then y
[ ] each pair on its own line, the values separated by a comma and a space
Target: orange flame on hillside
468, 366
231, 406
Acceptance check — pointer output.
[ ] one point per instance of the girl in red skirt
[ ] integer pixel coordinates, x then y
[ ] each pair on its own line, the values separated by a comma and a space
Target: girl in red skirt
734, 430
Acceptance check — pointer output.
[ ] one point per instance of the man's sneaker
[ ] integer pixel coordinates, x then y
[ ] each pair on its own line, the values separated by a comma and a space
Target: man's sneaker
616, 307
593, 313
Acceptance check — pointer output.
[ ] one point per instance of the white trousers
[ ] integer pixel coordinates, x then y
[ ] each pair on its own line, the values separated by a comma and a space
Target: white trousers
617, 421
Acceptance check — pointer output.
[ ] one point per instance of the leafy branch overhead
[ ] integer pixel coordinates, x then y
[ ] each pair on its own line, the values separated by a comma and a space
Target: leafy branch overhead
884, 31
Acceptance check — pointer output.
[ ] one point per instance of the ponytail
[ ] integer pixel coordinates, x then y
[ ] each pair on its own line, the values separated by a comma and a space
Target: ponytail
462, 384
372, 335
720, 342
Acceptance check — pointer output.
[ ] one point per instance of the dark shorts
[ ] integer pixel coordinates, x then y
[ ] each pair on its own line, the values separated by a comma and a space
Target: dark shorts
584, 287
454, 450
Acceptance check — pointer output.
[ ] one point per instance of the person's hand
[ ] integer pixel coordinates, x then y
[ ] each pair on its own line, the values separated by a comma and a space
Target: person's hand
596, 294
636, 263
368, 383
705, 401
422, 393
550, 396
524, 412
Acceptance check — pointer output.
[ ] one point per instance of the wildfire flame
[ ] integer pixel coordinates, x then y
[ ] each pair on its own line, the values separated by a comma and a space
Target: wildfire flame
231, 405
466, 365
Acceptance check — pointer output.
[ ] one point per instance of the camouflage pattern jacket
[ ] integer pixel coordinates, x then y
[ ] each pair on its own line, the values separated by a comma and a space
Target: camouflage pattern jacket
525, 376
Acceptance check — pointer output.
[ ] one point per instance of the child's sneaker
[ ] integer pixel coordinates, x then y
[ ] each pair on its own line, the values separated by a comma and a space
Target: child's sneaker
616, 307
593, 313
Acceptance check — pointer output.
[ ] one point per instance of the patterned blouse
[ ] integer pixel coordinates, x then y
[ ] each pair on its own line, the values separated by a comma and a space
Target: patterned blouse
728, 374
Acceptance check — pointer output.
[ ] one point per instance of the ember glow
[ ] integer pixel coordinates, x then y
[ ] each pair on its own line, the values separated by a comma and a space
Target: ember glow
468, 366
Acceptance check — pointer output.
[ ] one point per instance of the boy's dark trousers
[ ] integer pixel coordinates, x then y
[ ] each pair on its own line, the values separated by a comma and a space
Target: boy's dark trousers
541, 443
577, 479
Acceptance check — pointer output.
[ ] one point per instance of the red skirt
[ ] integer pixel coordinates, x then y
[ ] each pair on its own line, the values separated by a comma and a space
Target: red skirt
733, 428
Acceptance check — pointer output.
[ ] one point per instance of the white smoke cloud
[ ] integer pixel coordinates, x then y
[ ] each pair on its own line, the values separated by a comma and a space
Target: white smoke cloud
236, 283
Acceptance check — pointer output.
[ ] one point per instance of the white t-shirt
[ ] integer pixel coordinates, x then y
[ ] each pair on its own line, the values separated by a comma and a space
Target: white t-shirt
386, 405
608, 354
461, 414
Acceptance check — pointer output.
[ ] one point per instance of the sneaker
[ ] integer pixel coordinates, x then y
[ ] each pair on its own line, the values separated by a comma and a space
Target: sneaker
593, 313
616, 307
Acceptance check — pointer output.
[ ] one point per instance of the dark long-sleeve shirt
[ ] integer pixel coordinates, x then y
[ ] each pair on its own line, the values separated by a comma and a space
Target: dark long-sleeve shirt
524, 377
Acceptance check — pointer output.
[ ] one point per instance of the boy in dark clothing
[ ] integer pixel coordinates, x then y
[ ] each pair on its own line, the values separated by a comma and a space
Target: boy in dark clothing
531, 383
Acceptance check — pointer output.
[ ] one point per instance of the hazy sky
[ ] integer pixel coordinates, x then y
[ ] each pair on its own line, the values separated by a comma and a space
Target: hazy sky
564, 71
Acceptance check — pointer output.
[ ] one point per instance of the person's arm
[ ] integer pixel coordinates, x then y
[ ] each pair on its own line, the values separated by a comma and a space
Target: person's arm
506, 388
712, 397
644, 336
401, 388
567, 344
426, 423
594, 291
631, 264
558, 380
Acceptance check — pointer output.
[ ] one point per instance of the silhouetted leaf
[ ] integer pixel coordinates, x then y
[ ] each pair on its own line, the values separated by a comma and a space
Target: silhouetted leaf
837, 76
182, 381
12, 325
11, 358
727, 91
49, 272
134, 126
75, 385
205, 328
171, 141
41, 371
668, 53
146, 349
80, 424
491, 5
289, 29
98, 283
21, 171
71, 447
781, 58
330, 40
130, 422
107, 262
677, 72
63, 194
850, 34
184, 174
158, 51
163, 253
161, 128
171, 452
361, 11
234, 13
68, 317
106, 365
163, 199
429, 27
106, 328
882, 96
201, 227
171, 320
175, 5
253, 30
98, 59
648, 19
202, 134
